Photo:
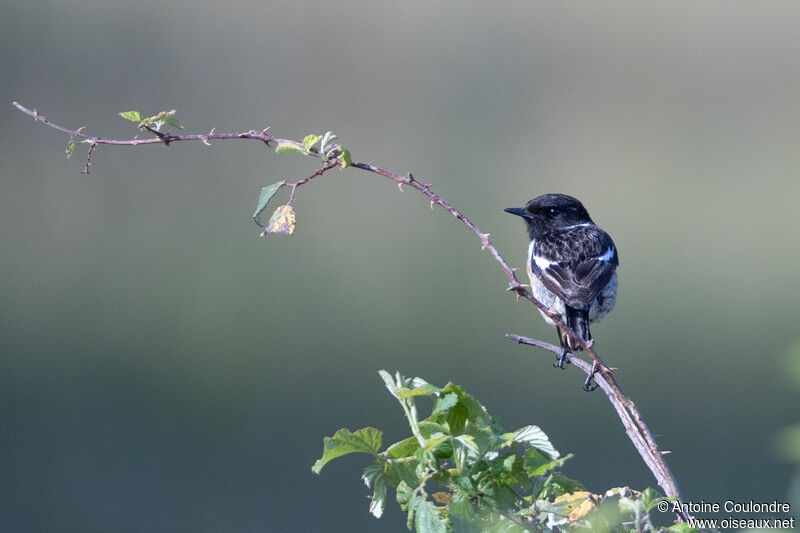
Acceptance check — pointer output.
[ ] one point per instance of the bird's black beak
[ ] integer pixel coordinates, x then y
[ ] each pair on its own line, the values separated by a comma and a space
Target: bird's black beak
519, 211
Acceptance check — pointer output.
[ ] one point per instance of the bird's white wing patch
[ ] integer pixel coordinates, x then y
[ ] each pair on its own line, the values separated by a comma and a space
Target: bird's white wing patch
542, 262
608, 256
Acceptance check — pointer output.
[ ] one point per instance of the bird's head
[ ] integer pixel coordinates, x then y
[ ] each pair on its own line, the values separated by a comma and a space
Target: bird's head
550, 212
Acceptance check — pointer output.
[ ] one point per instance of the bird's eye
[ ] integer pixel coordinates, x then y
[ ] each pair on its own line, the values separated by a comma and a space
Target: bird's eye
553, 211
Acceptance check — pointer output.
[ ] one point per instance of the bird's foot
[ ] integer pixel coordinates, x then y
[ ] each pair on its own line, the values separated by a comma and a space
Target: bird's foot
562, 359
590, 384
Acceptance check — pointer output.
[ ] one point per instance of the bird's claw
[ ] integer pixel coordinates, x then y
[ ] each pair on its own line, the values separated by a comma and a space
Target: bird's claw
588, 386
562, 359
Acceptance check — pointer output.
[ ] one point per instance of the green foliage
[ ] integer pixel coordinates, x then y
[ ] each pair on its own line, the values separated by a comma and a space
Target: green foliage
309, 141
133, 116
71, 147
460, 470
156, 122
321, 146
288, 148
72, 143
345, 158
266, 195
366, 440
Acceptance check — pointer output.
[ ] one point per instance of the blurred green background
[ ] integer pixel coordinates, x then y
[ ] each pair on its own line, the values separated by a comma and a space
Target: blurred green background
162, 368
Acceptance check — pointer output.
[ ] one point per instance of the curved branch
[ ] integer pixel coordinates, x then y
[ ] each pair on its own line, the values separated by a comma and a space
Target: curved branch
634, 424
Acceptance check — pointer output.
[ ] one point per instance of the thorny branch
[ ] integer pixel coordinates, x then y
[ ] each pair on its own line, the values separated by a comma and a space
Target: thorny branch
635, 427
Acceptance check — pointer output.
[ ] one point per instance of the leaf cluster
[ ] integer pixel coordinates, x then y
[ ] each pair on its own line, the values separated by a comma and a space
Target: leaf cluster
460, 470
283, 219
321, 146
156, 122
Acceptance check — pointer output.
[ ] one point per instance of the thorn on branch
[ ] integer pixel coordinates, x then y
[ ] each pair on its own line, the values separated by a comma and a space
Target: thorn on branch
484, 240
519, 288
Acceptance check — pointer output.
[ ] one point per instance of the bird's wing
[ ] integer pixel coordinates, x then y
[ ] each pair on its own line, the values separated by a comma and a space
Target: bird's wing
575, 264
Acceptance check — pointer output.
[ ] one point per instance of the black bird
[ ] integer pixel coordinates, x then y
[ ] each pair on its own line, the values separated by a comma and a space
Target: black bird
571, 264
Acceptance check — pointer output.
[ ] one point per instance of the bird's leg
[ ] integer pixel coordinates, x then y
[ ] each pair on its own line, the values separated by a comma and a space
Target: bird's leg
588, 386
564, 351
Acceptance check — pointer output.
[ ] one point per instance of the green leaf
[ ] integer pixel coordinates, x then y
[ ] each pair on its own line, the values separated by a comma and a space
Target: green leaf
371, 473
392, 383
413, 503
373, 477
133, 116
420, 388
457, 418
444, 450
468, 441
310, 140
476, 412
174, 123
534, 436
398, 473
404, 494
71, 147
566, 484
266, 194
345, 158
403, 389
428, 519
433, 442
288, 148
428, 428
462, 509
538, 464
444, 403
365, 440
403, 448
650, 498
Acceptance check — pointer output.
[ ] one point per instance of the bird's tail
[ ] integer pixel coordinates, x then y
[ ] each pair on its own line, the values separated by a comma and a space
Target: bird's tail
578, 321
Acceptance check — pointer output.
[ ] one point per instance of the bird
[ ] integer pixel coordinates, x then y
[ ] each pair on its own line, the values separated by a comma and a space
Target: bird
572, 266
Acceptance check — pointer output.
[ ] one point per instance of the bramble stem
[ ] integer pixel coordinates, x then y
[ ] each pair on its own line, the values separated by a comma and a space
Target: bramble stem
634, 424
